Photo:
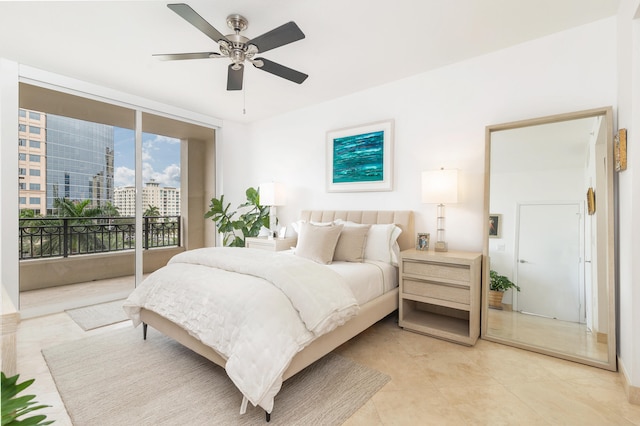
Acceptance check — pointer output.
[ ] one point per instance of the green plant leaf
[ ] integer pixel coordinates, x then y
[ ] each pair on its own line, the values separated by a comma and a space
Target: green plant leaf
14, 406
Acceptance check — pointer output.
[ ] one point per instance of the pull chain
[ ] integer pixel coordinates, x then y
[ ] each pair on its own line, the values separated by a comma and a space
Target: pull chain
244, 99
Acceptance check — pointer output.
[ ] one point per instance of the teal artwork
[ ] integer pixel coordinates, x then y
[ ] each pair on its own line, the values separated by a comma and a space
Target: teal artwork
359, 158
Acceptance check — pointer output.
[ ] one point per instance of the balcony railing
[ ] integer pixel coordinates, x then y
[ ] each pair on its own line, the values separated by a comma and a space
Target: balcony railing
63, 237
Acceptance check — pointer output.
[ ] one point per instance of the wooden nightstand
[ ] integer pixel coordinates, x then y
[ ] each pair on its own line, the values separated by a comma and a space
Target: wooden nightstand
276, 244
440, 294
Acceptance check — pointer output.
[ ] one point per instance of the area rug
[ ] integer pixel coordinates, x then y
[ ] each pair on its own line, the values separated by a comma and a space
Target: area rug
117, 378
95, 316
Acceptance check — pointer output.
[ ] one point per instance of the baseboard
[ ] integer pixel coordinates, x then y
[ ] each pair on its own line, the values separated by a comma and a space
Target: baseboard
632, 392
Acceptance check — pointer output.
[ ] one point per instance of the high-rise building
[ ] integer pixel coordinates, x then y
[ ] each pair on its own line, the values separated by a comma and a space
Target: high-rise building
165, 199
79, 161
32, 160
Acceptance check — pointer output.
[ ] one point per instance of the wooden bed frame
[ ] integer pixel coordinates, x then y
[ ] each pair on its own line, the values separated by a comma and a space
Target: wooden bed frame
369, 313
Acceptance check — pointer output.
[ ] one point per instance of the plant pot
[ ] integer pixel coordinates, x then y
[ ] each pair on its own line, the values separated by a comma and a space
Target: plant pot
495, 299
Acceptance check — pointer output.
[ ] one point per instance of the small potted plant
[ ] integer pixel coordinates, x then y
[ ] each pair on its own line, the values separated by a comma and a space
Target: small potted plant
498, 284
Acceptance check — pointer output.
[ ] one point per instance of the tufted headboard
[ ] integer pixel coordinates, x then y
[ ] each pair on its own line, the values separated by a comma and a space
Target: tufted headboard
402, 218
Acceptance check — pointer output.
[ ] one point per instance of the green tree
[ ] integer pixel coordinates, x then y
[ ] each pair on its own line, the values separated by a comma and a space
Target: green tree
79, 210
83, 217
151, 211
109, 210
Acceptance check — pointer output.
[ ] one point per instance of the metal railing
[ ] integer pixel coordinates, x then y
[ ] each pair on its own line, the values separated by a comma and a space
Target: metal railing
63, 237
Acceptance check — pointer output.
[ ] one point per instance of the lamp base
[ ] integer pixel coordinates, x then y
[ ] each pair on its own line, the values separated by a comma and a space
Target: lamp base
440, 246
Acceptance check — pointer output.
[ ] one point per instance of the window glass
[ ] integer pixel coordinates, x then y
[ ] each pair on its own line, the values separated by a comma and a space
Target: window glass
22, 171
34, 144
22, 156
34, 172
34, 200
34, 115
22, 142
34, 157
34, 186
34, 129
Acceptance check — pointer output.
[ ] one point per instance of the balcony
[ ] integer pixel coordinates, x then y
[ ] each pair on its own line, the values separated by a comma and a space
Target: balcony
63, 237
61, 251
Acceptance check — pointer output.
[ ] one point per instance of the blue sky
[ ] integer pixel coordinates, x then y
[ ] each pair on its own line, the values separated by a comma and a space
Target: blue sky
160, 158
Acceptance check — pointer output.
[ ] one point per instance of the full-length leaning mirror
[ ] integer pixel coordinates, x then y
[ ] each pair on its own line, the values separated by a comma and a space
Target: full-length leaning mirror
549, 212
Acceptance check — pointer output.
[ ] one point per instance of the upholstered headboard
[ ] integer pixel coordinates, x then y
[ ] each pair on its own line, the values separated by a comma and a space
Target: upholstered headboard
402, 218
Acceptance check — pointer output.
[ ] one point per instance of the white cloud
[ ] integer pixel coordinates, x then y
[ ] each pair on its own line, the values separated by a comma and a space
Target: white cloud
124, 176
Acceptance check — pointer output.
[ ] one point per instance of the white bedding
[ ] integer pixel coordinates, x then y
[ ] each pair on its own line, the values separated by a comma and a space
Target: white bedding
260, 315
369, 279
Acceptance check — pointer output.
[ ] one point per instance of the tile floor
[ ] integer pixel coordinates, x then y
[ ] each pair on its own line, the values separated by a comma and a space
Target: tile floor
433, 382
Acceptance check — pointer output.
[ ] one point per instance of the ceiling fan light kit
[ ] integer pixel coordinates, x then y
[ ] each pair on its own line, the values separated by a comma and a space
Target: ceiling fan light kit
239, 48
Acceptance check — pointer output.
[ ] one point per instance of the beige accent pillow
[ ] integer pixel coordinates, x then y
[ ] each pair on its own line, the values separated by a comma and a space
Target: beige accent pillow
351, 244
317, 243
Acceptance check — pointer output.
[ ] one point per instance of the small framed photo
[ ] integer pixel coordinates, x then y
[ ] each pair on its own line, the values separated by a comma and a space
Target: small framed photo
422, 241
495, 223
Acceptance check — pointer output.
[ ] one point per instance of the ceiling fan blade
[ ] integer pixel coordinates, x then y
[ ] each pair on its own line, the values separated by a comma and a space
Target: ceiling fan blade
180, 56
284, 34
196, 20
280, 70
234, 78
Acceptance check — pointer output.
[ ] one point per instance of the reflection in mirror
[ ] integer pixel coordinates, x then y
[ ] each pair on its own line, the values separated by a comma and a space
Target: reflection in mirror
549, 215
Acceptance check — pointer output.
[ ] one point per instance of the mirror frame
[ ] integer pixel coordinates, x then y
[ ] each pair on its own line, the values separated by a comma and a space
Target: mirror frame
607, 114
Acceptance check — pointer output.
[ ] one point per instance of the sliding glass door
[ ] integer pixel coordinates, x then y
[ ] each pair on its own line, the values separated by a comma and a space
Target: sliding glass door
102, 196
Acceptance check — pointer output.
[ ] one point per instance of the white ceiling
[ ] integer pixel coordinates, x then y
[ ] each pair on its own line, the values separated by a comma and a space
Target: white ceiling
350, 45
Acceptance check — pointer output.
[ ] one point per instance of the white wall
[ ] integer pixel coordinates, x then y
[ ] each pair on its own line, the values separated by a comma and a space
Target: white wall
9, 178
440, 117
629, 192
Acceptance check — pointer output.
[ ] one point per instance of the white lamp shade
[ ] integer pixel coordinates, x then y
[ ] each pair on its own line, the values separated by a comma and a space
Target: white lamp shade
440, 186
272, 194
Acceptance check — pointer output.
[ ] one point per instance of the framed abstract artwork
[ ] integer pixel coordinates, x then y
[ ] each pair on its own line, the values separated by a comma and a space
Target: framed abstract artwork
360, 158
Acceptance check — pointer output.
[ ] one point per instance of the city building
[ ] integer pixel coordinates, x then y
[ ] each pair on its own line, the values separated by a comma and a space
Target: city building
79, 161
165, 199
32, 160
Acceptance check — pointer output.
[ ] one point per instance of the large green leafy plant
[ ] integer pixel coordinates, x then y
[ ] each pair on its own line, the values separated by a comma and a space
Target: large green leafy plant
14, 406
247, 224
499, 282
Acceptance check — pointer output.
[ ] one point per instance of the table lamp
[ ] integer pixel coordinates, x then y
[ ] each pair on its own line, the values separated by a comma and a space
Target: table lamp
272, 194
440, 187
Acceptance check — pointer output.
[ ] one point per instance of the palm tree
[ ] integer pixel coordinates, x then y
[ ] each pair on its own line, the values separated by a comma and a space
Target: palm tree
81, 214
151, 211
76, 209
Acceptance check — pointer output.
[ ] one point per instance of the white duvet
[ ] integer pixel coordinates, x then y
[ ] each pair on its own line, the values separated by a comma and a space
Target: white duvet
254, 307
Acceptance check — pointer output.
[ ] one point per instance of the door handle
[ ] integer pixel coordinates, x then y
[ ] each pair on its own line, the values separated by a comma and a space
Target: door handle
523, 261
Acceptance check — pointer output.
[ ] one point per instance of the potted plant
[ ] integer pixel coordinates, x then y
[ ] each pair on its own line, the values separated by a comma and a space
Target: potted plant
498, 284
248, 224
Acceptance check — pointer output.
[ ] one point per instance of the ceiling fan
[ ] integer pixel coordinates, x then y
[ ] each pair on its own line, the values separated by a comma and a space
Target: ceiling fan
239, 48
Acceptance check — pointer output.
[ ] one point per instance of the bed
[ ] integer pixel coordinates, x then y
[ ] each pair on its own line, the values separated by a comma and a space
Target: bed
355, 313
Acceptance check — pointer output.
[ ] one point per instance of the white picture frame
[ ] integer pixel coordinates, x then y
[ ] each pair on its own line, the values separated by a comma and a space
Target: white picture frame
360, 158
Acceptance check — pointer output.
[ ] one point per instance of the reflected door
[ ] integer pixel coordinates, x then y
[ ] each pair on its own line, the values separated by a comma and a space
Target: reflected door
548, 268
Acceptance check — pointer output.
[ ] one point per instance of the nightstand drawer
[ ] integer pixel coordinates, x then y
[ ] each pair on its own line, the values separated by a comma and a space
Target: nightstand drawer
459, 294
436, 270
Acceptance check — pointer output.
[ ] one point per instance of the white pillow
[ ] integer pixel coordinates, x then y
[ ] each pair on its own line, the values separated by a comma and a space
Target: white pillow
296, 225
317, 243
381, 242
350, 247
